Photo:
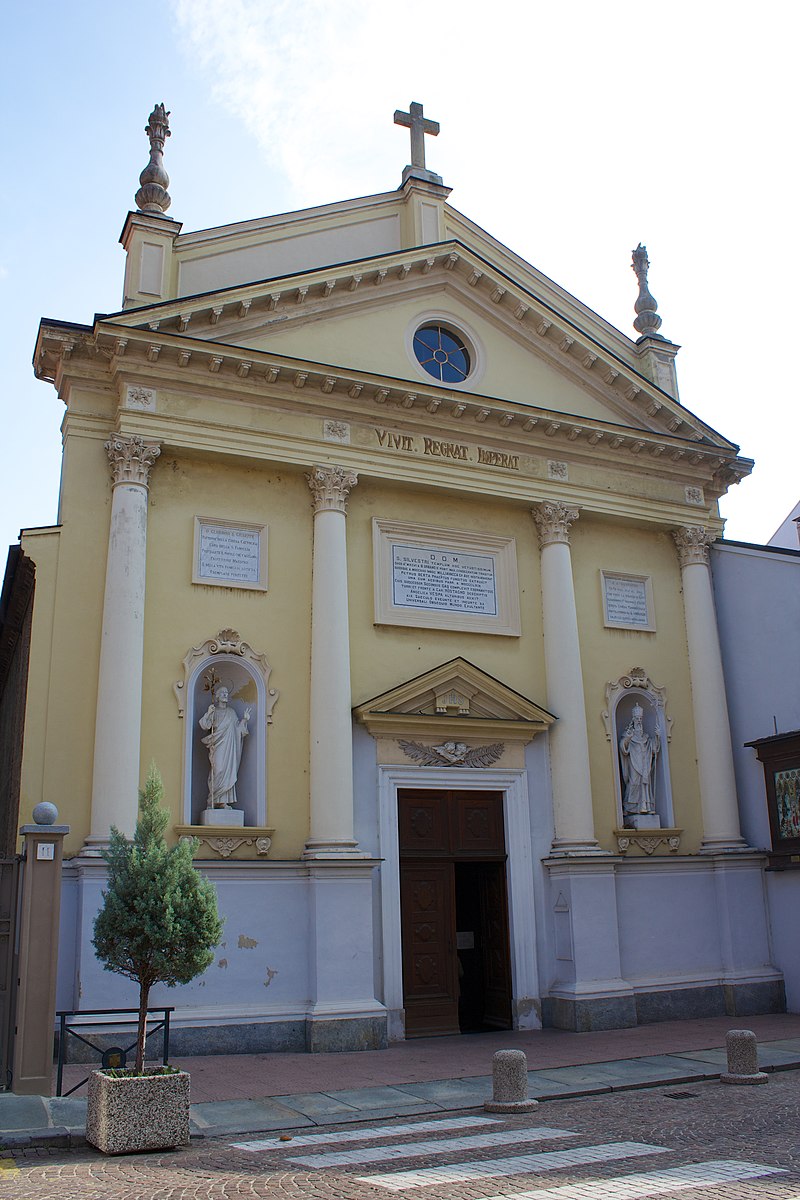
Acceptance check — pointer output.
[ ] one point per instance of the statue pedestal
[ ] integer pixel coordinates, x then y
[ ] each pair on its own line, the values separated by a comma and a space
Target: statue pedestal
222, 816
643, 821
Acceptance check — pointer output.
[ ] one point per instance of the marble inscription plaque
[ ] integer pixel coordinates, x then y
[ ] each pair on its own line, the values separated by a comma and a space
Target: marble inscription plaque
230, 555
438, 579
434, 578
627, 601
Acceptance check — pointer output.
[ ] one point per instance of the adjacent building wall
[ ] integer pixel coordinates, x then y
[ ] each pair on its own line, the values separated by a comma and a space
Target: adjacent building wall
757, 593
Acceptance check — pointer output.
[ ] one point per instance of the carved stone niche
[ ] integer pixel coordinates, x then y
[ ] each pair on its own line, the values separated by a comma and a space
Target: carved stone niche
622, 696
226, 661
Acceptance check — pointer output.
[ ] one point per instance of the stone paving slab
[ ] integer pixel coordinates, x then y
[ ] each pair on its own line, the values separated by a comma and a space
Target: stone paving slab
670, 1065
22, 1112
578, 1076
316, 1105
768, 1056
245, 1116
666, 1067
376, 1097
453, 1093
790, 1044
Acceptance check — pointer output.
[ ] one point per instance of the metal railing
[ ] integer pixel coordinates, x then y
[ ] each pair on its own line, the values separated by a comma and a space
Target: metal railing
112, 1056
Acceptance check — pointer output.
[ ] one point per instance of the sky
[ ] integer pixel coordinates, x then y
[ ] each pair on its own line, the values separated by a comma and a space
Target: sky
571, 131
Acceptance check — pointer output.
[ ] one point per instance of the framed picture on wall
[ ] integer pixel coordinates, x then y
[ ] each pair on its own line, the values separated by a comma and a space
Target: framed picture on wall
780, 756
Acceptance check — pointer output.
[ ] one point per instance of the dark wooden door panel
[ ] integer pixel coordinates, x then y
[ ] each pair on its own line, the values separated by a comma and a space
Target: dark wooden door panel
430, 982
478, 823
495, 946
424, 823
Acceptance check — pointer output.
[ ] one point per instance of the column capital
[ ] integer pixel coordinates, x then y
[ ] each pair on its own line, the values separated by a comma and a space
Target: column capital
131, 458
330, 486
553, 520
692, 543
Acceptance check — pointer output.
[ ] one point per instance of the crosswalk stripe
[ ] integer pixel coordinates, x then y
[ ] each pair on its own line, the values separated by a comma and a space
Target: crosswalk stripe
479, 1141
651, 1183
366, 1135
534, 1164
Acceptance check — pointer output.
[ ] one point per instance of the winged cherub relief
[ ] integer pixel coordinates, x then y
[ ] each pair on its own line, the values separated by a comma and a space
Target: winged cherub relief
452, 754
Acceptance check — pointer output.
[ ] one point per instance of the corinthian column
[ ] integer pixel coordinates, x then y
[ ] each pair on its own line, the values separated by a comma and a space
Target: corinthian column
331, 750
711, 726
115, 780
569, 739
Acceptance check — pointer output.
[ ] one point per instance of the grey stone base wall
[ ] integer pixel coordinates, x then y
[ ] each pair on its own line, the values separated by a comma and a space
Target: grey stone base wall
354, 1033
588, 1016
679, 1004
363, 1033
751, 999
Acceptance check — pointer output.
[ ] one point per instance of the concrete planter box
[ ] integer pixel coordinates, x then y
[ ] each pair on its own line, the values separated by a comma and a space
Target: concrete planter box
129, 1114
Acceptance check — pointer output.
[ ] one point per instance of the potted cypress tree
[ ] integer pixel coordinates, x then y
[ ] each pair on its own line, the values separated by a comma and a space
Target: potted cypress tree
158, 924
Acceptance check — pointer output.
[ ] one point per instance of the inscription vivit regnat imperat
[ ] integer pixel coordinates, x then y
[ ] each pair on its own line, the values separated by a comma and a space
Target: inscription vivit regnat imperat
435, 448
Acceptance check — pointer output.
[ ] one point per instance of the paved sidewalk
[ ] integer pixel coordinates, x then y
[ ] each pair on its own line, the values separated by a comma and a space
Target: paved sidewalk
263, 1092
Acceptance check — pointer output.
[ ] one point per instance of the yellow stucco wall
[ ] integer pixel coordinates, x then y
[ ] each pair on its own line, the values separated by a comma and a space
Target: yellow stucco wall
68, 610
180, 614
607, 654
384, 656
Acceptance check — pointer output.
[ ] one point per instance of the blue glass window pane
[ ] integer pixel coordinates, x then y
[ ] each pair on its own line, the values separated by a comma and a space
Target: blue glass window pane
449, 343
429, 336
441, 353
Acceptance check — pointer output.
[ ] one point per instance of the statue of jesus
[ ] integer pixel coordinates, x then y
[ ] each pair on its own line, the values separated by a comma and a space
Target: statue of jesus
224, 742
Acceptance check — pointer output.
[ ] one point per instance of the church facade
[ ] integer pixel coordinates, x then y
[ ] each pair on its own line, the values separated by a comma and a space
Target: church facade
394, 558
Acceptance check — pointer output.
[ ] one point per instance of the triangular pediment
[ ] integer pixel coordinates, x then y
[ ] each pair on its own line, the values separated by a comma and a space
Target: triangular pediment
456, 699
357, 316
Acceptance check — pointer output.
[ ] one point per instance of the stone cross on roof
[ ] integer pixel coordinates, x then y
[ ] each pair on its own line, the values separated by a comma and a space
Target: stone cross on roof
419, 126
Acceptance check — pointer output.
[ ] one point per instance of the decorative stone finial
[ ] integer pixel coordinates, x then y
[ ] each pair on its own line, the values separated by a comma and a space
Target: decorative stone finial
152, 196
647, 322
45, 813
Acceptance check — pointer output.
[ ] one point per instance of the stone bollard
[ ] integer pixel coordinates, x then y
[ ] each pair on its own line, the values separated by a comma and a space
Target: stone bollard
742, 1058
510, 1083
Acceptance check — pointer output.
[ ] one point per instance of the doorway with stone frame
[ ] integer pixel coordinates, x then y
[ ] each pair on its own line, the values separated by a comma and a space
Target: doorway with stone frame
457, 729
454, 912
513, 866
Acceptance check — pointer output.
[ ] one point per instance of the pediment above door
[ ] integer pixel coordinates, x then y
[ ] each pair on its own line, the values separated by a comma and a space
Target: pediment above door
458, 702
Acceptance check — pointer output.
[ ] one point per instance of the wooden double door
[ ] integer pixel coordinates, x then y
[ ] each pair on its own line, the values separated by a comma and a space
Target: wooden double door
456, 961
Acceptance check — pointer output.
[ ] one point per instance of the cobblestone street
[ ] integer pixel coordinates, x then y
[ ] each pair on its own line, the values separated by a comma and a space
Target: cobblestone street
701, 1140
